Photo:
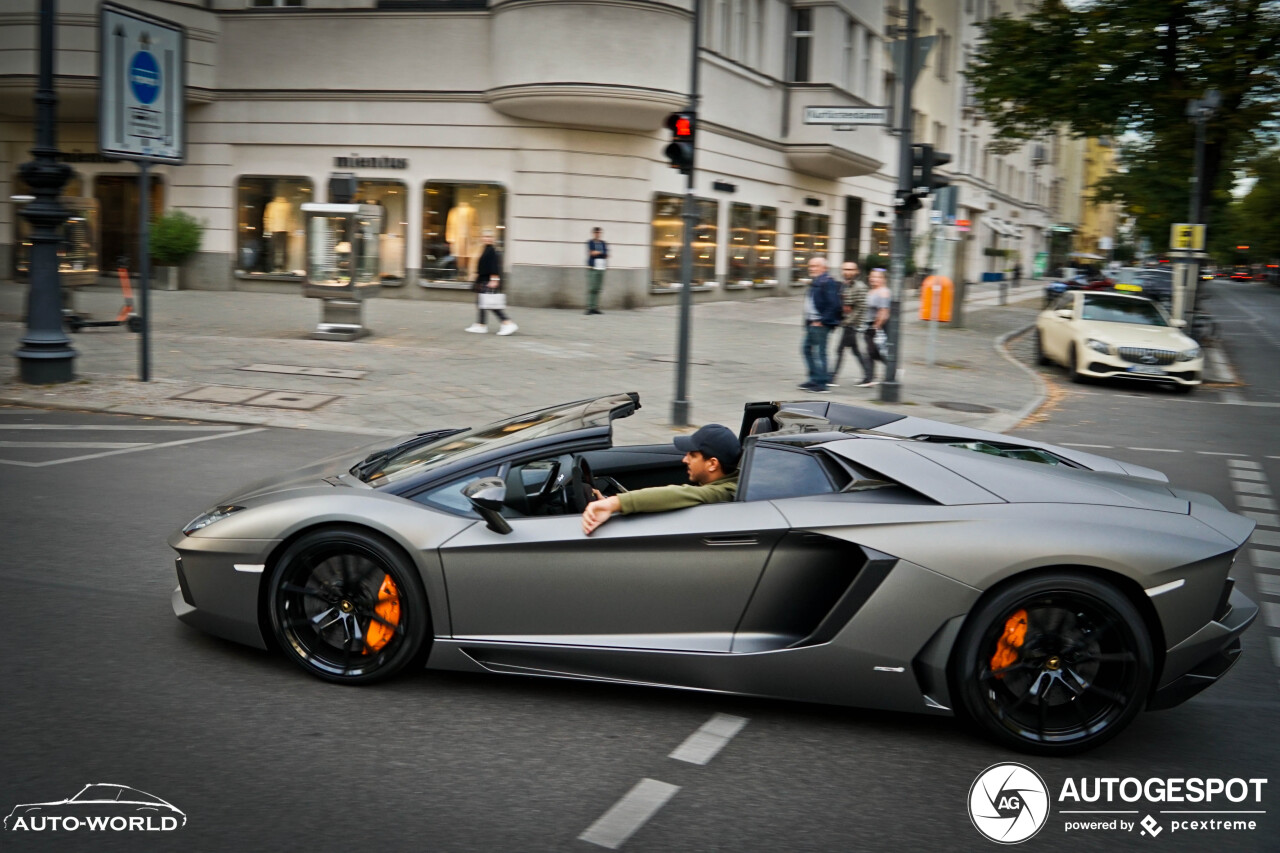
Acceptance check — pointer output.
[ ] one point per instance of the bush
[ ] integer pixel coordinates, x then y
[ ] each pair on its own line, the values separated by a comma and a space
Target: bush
175, 236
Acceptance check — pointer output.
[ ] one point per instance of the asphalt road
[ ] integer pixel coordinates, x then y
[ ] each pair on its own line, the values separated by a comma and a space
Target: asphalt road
104, 685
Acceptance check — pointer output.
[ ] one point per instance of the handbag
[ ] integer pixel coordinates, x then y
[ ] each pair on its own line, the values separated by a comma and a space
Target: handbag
492, 301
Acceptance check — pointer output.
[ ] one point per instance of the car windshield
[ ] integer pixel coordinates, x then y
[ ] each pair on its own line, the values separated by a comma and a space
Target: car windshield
1113, 309
415, 458
98, 792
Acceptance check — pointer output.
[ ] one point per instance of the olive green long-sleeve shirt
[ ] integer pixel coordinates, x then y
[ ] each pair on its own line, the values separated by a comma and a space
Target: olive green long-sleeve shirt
664, 498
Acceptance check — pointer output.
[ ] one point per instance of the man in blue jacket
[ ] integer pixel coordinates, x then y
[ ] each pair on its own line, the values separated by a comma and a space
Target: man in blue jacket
823, 310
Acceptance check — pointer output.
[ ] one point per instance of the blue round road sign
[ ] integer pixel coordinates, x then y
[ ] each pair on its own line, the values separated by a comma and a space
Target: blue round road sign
144, 77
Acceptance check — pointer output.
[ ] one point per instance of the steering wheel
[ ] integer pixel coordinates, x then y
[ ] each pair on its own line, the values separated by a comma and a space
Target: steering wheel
581, 492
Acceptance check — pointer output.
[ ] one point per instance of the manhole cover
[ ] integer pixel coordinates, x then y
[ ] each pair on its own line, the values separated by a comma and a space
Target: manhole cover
966, 407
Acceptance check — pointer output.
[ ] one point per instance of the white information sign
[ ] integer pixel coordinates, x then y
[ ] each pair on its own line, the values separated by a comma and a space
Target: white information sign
846, 115
141, 103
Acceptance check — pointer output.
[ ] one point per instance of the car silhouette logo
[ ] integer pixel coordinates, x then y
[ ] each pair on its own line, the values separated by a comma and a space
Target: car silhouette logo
99, 806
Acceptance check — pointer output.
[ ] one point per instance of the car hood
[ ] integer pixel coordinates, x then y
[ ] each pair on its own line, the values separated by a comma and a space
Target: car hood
333, 470
1131, 334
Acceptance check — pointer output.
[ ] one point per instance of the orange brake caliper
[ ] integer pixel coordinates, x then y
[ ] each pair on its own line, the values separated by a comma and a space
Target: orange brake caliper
1015, 632
388, 610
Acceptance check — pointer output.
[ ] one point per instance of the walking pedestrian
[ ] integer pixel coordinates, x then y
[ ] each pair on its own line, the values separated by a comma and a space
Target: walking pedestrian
822, 313
1017, 274
854, 295
488, 290
879, 301
597, 260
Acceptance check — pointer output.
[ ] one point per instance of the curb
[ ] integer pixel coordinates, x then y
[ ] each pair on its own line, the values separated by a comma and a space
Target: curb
1002, 423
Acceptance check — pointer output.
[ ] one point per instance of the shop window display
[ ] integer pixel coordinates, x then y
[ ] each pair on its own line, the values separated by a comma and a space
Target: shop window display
270, 240
668, 240
880, 238
77, 246
811, 238
753, 238
454, 216
393, 198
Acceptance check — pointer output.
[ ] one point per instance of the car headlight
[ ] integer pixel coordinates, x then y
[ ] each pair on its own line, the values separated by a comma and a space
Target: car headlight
1099, 346
1189, 354
204, 519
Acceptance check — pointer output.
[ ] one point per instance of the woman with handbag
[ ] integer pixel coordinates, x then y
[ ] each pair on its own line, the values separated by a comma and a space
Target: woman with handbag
488, 290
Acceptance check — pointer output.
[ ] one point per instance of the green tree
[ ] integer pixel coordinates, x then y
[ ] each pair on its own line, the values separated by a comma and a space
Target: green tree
1126, 69
1256, 217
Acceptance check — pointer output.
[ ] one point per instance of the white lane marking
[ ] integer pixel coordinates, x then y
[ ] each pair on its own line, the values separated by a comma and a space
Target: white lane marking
249, 568
1271, 612
1154, 449
1098, 446
1251, 488
1232, 398
1217, 453
1265, 537
133, 449
1255, 503
1166, 587
1264, 559
629, 814
1245, 463
1266, 519
119, 428
1275, 650
82, 445
1242, 474
1268, 584
702, 746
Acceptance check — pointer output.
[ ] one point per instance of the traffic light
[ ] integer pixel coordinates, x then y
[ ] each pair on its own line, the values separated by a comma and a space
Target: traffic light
680, 150
906, 202
924, 159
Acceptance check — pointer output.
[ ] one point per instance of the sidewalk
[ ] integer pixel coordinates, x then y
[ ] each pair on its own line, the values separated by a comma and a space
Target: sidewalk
217, 356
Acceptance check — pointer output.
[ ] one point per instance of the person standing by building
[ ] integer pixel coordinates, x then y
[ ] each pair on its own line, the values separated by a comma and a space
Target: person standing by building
879, 302
597, 260
854, 296
822, 313
1017, 273
488, 290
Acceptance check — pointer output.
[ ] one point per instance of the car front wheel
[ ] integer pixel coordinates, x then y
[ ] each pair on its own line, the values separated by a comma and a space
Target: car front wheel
1041, 358
1073, 365
347, 607
1055, 664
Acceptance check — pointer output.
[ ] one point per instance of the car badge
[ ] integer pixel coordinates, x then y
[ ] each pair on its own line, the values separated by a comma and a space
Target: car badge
1149, 359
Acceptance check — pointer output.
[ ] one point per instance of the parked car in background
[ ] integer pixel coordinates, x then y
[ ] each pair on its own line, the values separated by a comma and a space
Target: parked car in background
1118, 335
1153, 282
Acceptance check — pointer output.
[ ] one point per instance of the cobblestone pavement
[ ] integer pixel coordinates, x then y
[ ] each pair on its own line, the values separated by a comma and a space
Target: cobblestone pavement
419, 369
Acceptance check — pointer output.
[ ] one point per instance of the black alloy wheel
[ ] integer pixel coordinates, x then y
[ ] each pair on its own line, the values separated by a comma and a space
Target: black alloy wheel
347, 607
1053, 665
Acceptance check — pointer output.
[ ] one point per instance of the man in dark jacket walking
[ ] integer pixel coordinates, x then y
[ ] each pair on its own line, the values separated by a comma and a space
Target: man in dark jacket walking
823, 310
597, 260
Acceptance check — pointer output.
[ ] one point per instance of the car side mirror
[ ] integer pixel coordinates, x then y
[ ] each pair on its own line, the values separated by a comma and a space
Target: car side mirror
1178, 324
487, 496
1064, 313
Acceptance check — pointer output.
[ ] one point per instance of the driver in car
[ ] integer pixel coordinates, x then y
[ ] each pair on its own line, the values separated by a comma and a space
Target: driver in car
711, 455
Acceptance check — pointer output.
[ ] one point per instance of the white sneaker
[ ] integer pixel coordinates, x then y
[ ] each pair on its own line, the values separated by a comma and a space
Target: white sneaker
477, 329
508, 328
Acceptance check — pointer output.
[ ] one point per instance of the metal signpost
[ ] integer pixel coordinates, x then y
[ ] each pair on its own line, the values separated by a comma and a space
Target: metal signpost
1186, 244
141, 116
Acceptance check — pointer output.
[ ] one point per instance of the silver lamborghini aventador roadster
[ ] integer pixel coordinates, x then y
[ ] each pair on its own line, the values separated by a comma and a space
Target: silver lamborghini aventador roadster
870, 559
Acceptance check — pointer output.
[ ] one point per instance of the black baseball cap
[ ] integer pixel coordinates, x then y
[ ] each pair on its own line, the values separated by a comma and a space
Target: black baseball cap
713, 441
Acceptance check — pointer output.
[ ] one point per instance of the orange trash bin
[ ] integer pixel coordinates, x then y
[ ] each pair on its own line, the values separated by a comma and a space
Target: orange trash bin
936, 294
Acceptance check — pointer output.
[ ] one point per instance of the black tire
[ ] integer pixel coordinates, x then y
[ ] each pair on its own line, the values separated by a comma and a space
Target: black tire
1073, 366
1041, 358
1080, 675
134, 323
323, 598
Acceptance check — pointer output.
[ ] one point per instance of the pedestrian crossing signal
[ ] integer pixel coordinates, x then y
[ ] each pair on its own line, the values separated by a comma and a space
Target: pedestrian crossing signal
680, 150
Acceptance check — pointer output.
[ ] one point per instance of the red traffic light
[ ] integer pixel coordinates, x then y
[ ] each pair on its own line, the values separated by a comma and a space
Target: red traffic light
680, 125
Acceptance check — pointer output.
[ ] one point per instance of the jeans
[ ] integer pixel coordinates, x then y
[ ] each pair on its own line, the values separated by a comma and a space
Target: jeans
814, 350
849, 339
595, 282
502, 315
873, 353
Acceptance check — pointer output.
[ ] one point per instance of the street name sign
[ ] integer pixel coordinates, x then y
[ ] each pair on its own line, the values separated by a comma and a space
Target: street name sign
846, 115
142, 86
1184, 235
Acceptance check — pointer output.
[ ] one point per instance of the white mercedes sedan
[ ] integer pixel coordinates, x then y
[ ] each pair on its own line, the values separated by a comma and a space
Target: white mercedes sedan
1095, 334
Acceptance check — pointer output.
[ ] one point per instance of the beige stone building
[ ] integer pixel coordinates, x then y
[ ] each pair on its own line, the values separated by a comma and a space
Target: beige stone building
537, 119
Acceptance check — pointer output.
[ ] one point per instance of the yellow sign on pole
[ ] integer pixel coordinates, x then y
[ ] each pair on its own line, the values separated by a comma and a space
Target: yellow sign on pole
1183, 235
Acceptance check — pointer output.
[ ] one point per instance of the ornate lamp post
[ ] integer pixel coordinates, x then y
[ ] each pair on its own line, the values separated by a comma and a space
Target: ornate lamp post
45, 355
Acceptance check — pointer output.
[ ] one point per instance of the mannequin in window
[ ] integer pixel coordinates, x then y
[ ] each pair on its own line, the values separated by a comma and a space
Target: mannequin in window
275, 222
459, 230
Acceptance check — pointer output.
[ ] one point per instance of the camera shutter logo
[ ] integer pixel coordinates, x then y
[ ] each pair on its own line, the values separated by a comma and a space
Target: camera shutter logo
1008, 803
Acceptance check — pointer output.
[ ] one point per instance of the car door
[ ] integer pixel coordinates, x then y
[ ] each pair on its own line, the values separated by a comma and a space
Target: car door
675, 580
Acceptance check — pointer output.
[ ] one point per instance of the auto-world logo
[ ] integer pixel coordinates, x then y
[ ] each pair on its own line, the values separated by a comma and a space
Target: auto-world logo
1008, 803
101, 807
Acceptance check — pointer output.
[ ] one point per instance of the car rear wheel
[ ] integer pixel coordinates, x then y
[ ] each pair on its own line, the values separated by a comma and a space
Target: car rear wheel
1041, 358
347, 607
1053, 665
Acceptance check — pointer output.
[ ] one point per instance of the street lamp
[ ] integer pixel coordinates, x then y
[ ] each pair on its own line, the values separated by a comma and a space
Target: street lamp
1199, 110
